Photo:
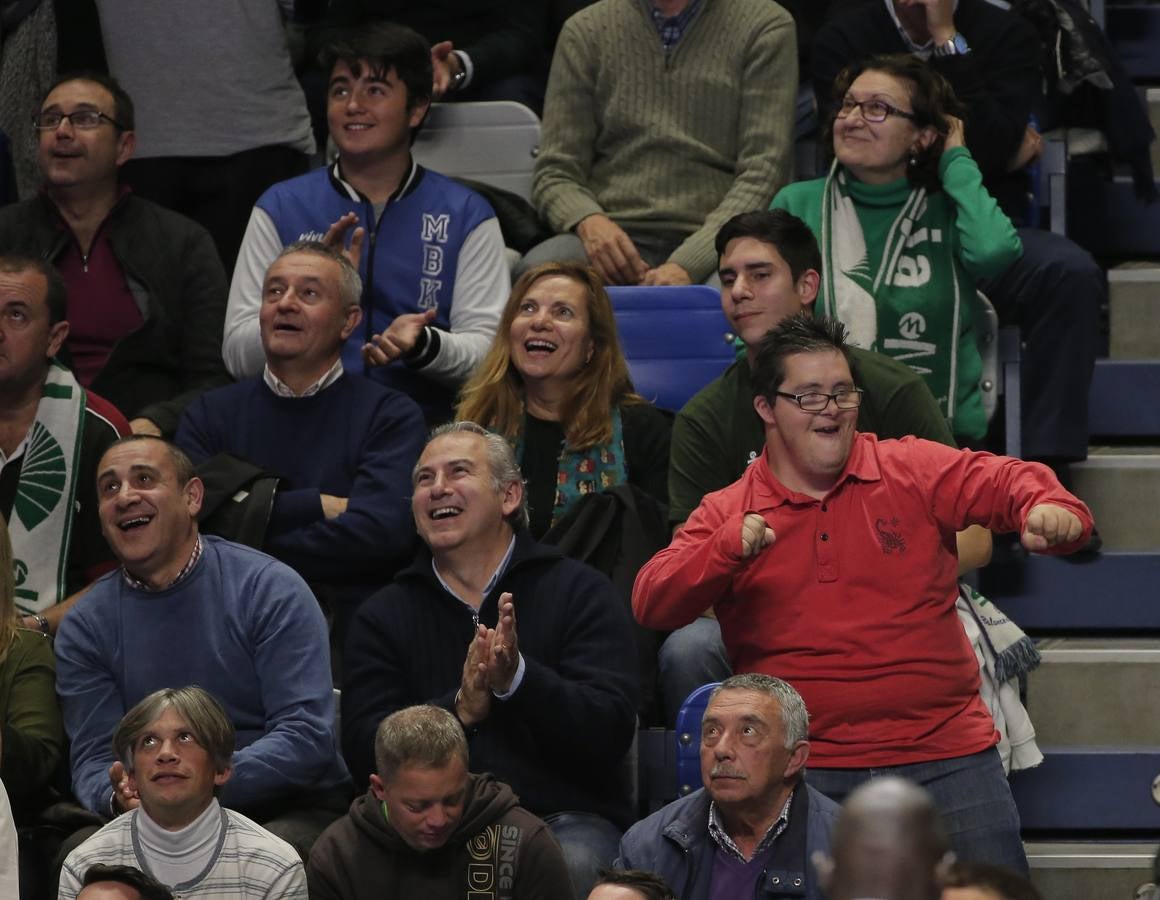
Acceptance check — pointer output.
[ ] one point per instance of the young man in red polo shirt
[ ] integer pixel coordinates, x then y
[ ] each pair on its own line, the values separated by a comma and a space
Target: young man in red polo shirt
831, 564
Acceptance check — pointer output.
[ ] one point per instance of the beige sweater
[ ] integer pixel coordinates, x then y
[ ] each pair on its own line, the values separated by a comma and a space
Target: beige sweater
668, 143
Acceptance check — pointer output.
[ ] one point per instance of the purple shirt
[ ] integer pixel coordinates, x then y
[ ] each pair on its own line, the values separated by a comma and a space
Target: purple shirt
733, 878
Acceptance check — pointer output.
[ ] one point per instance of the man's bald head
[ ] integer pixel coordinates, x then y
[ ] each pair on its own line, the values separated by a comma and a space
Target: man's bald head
888, 843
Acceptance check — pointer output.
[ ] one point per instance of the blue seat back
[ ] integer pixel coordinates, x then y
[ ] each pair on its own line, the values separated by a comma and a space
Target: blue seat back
689, 739
676, 339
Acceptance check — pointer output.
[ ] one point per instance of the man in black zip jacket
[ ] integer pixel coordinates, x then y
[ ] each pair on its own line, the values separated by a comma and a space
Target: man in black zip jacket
549, 704
146, 289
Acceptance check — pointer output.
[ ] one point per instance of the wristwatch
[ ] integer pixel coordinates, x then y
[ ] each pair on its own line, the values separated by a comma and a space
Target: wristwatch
459, 77
956, 46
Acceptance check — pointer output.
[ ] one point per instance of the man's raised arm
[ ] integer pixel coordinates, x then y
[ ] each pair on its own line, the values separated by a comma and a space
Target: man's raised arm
697, 568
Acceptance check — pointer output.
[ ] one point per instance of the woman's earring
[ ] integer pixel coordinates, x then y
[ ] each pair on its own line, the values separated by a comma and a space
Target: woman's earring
912, 159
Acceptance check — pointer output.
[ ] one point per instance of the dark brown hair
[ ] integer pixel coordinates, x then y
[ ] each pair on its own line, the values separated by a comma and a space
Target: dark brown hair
932, 101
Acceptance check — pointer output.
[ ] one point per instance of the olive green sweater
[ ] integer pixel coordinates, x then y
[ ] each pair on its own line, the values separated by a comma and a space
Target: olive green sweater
31, 733
669, 143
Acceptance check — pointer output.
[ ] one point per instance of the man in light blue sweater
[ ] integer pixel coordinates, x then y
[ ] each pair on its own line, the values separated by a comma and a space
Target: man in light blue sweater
188, 609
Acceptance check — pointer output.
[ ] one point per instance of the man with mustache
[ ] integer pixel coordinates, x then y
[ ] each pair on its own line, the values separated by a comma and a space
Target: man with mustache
753, 827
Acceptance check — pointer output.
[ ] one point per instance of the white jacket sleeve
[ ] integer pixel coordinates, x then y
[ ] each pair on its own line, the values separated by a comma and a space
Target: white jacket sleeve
242, 342
482, 285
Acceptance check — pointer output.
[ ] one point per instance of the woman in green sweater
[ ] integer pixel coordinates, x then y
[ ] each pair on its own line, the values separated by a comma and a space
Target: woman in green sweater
31, 733
906, 228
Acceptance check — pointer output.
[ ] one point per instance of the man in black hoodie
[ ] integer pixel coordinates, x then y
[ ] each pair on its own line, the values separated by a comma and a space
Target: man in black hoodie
427, 828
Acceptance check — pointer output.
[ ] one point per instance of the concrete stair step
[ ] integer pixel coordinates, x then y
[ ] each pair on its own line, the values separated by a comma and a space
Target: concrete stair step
1080, 870
1122, 487
1090, 691
1134, 309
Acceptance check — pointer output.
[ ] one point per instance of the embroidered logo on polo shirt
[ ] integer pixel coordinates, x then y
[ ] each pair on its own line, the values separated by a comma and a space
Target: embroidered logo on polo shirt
891, 541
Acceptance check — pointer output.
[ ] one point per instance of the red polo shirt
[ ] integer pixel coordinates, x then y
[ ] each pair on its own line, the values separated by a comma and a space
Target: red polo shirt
854, 602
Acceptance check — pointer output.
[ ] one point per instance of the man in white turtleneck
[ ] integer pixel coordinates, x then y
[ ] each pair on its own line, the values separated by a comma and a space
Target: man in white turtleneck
175, 747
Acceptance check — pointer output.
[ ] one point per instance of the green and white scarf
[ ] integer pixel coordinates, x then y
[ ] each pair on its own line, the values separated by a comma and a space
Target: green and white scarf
907, 302
40, 524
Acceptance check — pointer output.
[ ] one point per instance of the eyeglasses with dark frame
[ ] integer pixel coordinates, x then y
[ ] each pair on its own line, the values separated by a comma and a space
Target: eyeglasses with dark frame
817, 401
874, 111
78, 118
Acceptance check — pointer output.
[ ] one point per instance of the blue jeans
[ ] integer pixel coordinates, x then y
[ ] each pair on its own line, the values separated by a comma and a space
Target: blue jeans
590, 844
690, 657
971, 793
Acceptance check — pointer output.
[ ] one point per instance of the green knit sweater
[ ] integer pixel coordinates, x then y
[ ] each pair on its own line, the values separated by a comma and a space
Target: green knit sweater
669, 143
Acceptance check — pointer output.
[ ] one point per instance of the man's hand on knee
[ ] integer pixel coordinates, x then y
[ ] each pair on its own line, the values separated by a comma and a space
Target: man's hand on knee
669, 273
611, 251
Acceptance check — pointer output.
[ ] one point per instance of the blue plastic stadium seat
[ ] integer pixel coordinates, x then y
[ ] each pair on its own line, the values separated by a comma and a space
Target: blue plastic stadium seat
689, 739
676, 339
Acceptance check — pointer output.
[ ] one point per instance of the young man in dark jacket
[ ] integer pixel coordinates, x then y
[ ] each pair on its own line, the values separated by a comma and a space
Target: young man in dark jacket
427, 828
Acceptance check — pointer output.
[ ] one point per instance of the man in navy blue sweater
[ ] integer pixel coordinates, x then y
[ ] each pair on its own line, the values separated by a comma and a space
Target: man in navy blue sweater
548, 707
342, 446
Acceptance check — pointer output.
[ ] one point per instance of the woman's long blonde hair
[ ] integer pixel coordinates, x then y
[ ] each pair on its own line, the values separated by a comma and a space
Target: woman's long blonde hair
494, 396
7, 593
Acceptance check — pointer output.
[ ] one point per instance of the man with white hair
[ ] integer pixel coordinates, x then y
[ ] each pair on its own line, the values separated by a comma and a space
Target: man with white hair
750, 831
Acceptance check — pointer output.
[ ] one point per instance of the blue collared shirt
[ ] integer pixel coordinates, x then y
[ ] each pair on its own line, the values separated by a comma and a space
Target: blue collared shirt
672, 28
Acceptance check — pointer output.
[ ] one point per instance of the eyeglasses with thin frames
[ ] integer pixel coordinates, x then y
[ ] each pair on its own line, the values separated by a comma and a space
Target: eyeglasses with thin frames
80, 118
875, 111
817, 401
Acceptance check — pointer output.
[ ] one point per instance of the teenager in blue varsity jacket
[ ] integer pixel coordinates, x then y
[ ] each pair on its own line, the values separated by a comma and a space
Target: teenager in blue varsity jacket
432, 260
